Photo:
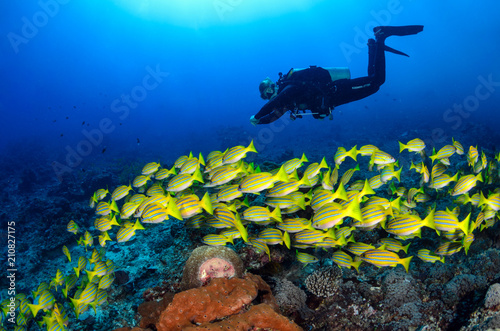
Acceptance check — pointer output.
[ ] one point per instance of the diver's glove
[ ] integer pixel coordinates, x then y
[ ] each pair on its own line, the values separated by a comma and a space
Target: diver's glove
253, 120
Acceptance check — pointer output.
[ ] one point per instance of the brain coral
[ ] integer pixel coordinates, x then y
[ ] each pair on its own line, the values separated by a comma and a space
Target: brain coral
207, 262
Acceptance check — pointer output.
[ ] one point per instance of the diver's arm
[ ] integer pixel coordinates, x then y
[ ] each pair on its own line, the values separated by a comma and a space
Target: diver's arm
276, 107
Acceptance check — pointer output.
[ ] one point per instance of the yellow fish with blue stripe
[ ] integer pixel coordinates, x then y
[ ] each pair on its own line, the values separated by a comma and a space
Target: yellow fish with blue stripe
472, 156
384, 258
228, 193
120, 192
442, 180
367, 150
404, 225
128, 209
381, 158
125, 233
73, 227
414, 145
214, 160
258, 182
284, 188
87, 296
154, 213
346, 177
332, 214
306, 258
182, 181
308, 236
444, 153
261, 214
372, 215
342, 259
104, 223
67, 253
293, 164
224, 215
225, 174
394, 245
43, 301
330, 178
321, 197
260, 245
341, 154
216, 240
191, 205
493, 201
465, 184
274, 236
141, 180
159, 175
191, 164
294, 225
286, 201
449, 248
445, 221
236, 153
459, 148
104, 208
427, 256
150, 168
314, 168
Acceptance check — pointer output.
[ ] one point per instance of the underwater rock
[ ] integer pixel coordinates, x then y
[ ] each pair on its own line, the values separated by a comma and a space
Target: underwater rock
209, 262
400, 289
492, 298
289, 297
121, 277
460, 286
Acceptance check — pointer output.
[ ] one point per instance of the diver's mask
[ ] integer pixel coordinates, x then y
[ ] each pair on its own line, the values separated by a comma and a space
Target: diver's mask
267, 89
269, 92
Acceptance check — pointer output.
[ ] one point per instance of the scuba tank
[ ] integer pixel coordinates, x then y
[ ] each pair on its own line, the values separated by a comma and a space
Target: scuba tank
339, 73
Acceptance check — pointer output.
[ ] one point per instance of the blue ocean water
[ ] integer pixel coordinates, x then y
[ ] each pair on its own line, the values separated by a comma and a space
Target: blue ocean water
91, 84
69, 62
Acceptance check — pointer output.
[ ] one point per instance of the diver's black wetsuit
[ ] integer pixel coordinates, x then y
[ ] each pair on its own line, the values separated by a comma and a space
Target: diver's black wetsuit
313, 88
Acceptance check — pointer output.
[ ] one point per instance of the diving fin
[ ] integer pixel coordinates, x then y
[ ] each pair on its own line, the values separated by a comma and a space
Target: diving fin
405, 30
395, 51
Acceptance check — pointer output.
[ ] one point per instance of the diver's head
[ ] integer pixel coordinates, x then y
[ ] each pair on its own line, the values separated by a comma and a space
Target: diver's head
267, 89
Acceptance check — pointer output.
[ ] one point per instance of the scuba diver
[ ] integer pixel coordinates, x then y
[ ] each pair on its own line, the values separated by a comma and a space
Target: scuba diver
321, 89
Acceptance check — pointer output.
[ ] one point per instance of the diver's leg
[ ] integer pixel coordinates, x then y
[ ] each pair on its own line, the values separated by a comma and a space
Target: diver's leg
371, 56
349, 90
378, 77
379, 48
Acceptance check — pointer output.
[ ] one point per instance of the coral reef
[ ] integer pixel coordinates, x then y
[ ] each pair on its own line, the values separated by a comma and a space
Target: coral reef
208, 262
198, 308
150, 311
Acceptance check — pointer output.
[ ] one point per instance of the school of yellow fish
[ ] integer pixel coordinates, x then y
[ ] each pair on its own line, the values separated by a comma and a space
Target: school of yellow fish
220, 192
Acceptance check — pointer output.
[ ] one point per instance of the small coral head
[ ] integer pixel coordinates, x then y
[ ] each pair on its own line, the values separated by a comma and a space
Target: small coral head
215, 268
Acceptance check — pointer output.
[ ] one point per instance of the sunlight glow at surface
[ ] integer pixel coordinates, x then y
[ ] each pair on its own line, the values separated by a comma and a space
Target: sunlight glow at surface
205, 13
